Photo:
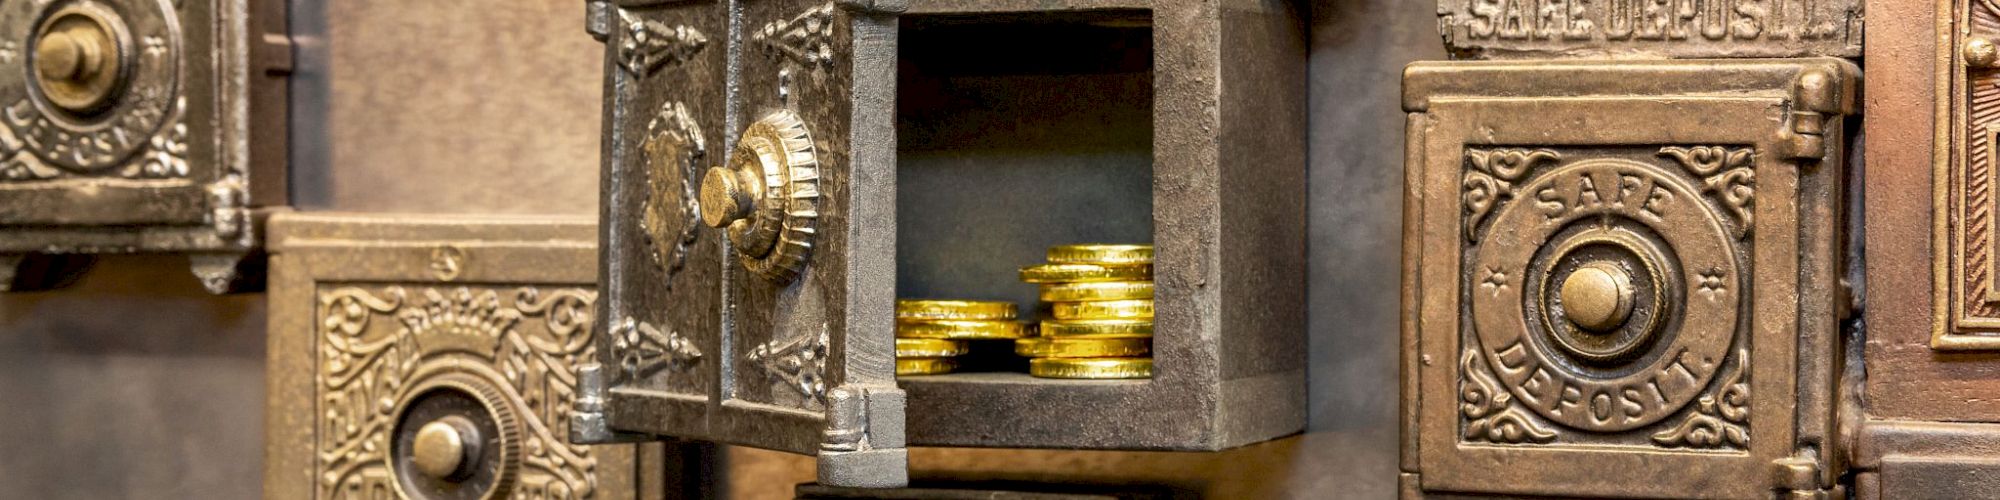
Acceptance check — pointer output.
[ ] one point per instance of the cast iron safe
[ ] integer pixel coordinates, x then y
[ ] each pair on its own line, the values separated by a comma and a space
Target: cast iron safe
841, 142
1625, 273
139, 126
432, 357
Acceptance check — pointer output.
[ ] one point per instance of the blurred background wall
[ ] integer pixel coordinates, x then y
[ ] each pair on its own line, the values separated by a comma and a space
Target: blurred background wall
136, 384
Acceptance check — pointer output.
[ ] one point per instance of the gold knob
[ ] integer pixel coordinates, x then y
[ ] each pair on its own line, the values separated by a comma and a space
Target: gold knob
440, 448
726, 197
59, 56
1981, 53
1598, 296
77, 60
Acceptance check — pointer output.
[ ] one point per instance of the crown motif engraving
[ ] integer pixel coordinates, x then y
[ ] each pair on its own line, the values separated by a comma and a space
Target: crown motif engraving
462, 321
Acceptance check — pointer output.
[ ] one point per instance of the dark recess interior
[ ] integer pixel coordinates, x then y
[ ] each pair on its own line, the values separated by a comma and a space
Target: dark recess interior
1016, 133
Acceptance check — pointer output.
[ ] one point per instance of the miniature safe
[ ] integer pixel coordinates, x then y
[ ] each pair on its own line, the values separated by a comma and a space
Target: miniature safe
140, 126
778, 172
434, 358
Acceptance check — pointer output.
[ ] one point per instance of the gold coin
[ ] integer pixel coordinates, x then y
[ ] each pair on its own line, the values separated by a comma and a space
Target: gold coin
929, 348
1101, 254
925, 366
1097, 368
1105, 309
961, 329
1073, 273
1098, 328
954, 309
1102, 290
1046, 347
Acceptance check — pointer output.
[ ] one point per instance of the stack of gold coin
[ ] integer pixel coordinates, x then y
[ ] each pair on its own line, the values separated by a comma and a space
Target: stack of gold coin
1102, 300
931, 333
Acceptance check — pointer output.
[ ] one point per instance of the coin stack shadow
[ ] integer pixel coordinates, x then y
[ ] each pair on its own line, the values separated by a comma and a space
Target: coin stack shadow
931, 334
1102, 300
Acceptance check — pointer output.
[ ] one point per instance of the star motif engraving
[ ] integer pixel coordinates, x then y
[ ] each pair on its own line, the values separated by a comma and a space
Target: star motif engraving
1495, 280
155, 46
1710, 284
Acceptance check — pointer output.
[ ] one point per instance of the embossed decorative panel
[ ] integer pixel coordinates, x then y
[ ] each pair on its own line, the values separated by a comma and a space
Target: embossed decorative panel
1622, 276
139, 125
1966, 288
1507, 29
434, 358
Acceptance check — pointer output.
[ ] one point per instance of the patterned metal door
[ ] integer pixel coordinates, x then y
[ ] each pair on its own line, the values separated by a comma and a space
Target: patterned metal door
1624, 277
749, 229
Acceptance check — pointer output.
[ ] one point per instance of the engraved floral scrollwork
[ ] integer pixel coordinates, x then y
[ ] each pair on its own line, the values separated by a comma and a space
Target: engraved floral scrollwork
806, 38
799, 361
1718, 420
672, 213
642, 349
1491, 178
649, 45
1490, 414
1727, 173
369, 367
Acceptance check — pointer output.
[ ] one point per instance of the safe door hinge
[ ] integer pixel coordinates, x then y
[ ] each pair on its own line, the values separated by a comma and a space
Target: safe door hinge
597, 19
1816, 100
586, 417
864, 446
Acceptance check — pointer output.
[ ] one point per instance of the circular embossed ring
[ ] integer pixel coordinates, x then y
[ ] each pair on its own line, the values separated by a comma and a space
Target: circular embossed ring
88, 84
1605, 296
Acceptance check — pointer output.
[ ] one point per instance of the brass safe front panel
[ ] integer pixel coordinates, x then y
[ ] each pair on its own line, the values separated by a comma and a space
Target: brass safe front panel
1621, 276
435, 358
140, 125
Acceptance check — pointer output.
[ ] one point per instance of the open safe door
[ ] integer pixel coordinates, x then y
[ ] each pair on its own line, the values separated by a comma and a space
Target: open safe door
748, 289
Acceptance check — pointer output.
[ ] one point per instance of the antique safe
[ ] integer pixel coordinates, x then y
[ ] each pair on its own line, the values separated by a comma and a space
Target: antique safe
140, 126
1625, 251
778, 172
433, 357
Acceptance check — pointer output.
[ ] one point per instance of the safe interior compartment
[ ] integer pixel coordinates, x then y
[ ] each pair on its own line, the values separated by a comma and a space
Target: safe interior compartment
1017, 132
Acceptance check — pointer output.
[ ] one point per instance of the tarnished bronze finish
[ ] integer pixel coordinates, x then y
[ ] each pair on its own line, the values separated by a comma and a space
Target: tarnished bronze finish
1650, 29
1624, 276
433, 358
141, 126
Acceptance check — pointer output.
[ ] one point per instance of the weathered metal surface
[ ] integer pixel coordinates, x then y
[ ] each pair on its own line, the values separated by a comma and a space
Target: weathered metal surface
1650, 29
1703, 198
434, 357
1927, 235
142, 125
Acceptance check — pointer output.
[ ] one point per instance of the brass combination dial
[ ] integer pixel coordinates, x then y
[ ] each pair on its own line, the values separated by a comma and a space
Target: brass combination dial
80, 57
456, 438
767, 196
